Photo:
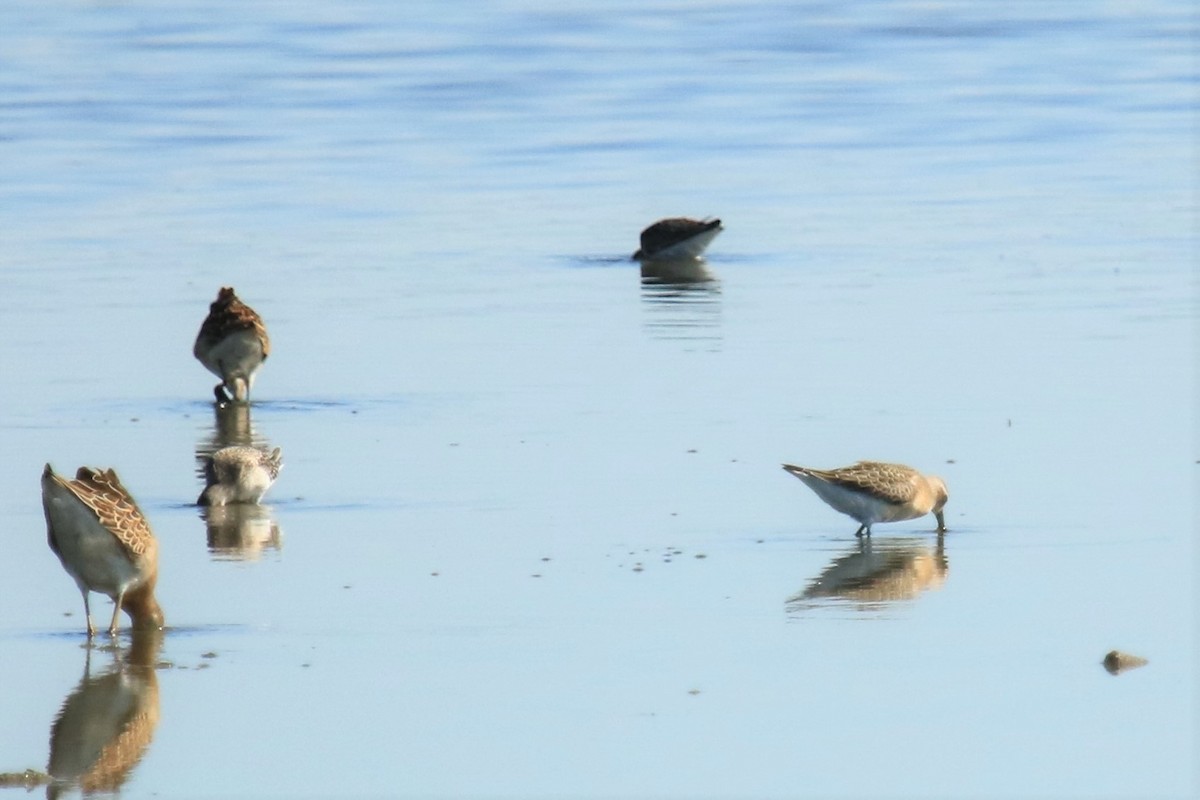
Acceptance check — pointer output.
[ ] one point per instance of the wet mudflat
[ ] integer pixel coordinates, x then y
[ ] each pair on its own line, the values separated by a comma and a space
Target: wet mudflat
531, 537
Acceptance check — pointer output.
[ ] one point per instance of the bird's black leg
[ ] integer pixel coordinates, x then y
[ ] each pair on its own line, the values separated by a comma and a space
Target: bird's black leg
860, 530
219, 391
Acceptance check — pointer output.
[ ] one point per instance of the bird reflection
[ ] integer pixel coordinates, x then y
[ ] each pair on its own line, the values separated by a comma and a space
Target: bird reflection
106, 724
683, 300
875, 574
680, 271
231, 425
241, 531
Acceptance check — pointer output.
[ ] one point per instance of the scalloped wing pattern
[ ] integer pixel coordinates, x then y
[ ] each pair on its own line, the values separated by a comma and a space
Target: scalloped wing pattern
228, 315
102, 492
894, 483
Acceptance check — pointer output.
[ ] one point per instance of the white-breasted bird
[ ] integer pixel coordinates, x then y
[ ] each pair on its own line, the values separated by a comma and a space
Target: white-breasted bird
872, 491
232, 344
239, 474
677, 238
102, 539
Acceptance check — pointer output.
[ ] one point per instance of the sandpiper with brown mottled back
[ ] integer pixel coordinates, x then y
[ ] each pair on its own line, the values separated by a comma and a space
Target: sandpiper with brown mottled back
677, 239
104, 542
872, 491
239, 474
232, 344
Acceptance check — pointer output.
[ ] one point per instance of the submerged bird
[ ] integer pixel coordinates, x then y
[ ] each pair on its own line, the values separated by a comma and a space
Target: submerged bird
871, 491
677, 238
104, 543
232, 344
238, 474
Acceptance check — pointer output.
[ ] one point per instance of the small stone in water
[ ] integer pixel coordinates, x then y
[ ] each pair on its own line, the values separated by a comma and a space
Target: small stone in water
1117, 662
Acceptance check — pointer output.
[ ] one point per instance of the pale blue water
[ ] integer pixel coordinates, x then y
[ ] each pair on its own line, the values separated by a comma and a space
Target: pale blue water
532, 538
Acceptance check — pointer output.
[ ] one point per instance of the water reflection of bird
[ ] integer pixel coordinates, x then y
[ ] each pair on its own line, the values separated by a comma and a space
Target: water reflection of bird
232, 344
871, 491
104, 542
238, 474
683, 310
682, 273
105, 725
231, 425
874, 574
241, 532
677, 238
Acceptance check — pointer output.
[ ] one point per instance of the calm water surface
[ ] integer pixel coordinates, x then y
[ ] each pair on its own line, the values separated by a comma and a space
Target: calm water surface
532, 538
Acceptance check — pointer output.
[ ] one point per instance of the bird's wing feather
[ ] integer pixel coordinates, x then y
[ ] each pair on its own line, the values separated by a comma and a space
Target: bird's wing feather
891, 482
103, 493
228, 315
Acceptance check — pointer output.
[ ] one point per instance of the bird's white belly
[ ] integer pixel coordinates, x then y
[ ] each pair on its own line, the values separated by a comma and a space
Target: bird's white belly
689, 248
249, 486
866, 509
236, 356
89, 552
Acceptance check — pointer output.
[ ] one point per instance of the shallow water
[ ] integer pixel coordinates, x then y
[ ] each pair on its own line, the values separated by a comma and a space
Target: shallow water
531, 537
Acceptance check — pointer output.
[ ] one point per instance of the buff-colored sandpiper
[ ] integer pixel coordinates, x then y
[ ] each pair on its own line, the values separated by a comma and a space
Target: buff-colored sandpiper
677, 238
232, 344
871, 491
239, 474
104, 543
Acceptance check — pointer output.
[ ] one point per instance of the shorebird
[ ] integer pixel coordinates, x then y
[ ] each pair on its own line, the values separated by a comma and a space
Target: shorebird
238, 474
232, 344
871, 492
677, 239
104, 543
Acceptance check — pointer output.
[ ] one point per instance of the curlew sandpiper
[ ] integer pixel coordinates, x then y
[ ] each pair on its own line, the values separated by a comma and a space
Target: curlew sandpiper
871, 491
104, 543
